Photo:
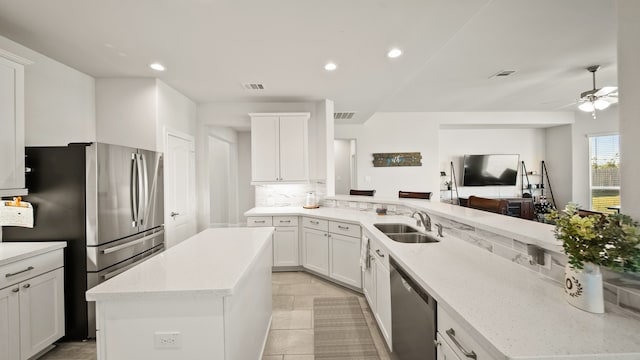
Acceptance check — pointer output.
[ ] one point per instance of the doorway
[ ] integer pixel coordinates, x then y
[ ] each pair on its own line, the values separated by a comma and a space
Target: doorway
345, 165
223, 202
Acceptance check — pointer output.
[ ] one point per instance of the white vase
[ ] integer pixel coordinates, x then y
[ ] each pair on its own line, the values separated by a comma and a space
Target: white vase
583, 287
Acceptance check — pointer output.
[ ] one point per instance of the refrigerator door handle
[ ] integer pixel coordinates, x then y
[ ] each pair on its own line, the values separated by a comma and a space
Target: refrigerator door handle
145, 186
134, 190
140, 184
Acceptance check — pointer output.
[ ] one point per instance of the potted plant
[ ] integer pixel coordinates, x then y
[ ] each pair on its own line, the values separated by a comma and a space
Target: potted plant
612, 241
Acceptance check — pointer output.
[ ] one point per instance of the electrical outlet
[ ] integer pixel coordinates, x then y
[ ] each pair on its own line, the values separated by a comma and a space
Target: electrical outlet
167, 339
391, 208
547, 261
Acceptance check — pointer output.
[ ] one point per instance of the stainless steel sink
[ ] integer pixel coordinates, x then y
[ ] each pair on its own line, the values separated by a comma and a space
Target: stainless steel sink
413, 238
395, 228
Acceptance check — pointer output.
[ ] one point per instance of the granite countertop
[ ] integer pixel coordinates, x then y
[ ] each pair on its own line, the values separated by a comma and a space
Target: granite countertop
208, 263
16, 251
517, 313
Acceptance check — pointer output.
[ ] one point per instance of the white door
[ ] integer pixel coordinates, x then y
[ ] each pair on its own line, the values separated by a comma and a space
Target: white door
345, 259
316, 250
9, 323
285, 246
41, 312
180, 188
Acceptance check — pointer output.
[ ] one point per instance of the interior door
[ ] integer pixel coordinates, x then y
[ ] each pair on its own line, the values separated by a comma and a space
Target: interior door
152, 178
117, 190
180, 188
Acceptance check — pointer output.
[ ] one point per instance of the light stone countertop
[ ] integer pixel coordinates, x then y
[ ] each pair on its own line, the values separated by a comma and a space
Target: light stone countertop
211, 262
16, 251
518, 313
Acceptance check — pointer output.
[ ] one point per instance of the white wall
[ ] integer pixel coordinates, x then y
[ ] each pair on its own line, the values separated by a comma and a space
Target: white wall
342, 166
559, 154
174, 112
395, 132
629, 84
126, 112
607, 122
246, 197
455, 143
59, 100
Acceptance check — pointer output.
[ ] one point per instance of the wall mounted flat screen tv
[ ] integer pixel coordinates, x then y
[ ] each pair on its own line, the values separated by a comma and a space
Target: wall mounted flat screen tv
490, 170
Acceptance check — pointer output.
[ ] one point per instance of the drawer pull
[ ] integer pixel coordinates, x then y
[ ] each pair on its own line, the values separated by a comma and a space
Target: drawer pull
259, 221
15, 290
26, 286
343, 227
285, 221
314, 222
19, 272
379, 253
452, 335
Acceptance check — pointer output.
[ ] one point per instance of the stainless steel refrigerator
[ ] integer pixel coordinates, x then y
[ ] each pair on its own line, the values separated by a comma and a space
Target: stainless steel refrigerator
107, 202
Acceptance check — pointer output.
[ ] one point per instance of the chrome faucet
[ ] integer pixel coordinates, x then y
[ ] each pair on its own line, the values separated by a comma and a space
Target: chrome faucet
424, 220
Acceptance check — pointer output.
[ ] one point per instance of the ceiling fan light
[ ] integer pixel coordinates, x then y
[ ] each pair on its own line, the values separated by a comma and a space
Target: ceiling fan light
601, 104
586, 106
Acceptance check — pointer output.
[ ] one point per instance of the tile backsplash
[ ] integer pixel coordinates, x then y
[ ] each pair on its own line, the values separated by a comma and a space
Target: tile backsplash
620, 290
287, 194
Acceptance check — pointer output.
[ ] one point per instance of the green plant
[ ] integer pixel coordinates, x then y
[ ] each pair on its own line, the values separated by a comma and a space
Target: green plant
611, 240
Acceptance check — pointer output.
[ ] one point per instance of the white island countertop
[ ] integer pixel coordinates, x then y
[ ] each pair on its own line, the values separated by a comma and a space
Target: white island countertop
16, 251
209, 263
516, 312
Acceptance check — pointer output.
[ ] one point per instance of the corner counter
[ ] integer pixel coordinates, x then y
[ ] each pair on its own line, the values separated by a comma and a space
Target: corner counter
207, 297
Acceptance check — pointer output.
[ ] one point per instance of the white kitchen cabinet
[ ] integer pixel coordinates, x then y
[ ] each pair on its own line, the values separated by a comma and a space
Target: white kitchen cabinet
316, 250
279, 147
345, 259
285, 238
12, 124
369, 277
31, 305
444, 351
383, 299
9, 323
285, 241
41, 312
461, 341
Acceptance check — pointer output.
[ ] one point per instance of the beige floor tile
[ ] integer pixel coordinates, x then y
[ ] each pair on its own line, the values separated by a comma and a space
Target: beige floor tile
298, 357
298, 319
282, 302
301, 302
272, 357
289, 342
80, 350
319, 289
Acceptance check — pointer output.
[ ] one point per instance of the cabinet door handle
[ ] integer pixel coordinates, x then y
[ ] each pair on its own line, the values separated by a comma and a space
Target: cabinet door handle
452, 335
15, 290
26, 286
19, 272
325, 234
379, 253
285, 221
343, 227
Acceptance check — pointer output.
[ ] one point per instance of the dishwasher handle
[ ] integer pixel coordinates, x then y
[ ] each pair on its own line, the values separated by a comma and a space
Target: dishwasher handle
452, 335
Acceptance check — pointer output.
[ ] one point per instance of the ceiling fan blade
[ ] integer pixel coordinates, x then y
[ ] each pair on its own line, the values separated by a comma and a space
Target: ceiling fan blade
606, 90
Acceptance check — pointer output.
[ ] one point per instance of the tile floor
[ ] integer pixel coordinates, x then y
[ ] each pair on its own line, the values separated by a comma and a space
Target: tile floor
291, 333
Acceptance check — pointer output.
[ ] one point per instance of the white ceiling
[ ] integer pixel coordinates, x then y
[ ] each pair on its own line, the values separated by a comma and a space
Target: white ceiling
451, 48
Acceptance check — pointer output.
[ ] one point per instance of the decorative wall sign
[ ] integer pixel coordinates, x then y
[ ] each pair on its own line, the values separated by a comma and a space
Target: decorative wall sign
397, 159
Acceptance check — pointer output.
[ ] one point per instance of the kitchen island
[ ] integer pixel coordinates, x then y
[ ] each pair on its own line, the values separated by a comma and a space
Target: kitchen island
208, 297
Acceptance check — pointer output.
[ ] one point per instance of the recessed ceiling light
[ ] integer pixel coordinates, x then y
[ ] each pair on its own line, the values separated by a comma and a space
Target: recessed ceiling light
157, 67
330, 66
394, 53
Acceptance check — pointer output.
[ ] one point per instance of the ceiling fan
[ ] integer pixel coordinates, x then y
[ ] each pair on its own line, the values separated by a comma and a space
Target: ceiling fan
597, 99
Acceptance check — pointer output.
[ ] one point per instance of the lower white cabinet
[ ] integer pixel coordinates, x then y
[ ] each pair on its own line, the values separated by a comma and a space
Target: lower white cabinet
444, 351
377, 287
316, 250
285, 246
344, 254
459, 339
31, 311
369, 279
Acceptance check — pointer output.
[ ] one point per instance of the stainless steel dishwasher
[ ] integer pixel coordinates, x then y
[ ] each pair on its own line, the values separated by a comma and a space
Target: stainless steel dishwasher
413, 317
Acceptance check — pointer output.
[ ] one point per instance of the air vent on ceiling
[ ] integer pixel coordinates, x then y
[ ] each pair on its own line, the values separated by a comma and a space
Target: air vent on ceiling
502, 73
343, 115
253, 86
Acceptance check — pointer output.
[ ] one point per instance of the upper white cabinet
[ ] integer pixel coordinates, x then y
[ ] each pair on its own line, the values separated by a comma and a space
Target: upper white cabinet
11, 124
279, 147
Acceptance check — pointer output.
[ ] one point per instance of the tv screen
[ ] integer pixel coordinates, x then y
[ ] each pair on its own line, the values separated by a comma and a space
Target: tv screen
488, 170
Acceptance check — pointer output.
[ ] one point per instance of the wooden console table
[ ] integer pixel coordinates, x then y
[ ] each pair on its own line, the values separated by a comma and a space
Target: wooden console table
518, 207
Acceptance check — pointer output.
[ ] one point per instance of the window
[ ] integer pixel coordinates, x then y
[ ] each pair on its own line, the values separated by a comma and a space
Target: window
605, 172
